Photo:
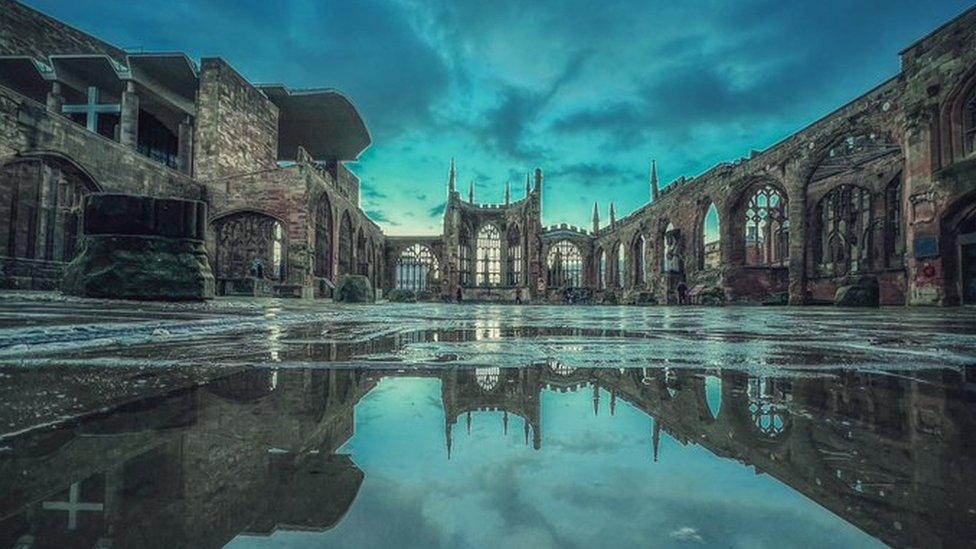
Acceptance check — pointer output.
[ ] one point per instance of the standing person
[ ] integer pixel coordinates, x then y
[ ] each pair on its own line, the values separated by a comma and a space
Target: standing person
682, 293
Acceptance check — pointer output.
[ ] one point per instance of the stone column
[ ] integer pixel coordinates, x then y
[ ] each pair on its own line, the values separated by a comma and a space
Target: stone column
129, 116
184, 153
797, 212
54, 98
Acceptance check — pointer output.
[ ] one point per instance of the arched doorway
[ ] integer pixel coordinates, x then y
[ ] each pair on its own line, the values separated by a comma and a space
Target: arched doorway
249, 245
960, 253
638, 251
710, 249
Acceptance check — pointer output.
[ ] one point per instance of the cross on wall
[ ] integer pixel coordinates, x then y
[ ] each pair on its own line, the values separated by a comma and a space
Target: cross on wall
92, 109
73, 506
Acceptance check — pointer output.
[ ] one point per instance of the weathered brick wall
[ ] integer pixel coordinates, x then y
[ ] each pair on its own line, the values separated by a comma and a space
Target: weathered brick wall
24, 31
237, 126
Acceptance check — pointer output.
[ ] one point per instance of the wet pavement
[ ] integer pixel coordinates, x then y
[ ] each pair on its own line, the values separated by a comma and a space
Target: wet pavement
268, 423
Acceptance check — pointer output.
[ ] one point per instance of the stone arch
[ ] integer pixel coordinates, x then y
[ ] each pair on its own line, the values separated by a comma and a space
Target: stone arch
40, 206
371, 258
619, 264
708, 235
564, 262
958, 117
362, 258
249, 243
488, 255
959, 251
417, 269
324, 238
514, 256
345, 238
638, 255
601, 268
759, 225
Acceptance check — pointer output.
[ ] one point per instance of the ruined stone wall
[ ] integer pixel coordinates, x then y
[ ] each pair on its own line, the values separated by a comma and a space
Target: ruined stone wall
24, 31
236, 125
26, 128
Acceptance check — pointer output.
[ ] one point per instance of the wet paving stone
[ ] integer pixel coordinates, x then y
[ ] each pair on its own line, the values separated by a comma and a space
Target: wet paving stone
268, 423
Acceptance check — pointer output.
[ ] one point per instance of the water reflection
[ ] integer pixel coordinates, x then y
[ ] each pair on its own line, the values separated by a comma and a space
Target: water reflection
268, 451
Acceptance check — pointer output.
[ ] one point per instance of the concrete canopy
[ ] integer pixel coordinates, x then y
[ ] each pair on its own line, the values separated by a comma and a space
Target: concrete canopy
171, 70
324, 122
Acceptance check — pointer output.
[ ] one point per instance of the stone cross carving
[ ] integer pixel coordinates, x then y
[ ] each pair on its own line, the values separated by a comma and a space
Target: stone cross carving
73, 506
92, 108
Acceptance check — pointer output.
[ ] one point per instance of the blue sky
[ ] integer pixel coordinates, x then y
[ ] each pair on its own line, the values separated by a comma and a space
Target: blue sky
589, 92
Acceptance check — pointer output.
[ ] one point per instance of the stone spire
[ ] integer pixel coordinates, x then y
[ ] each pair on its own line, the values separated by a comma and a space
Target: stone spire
452, 179
508, 193
596, 218
528, 188
654, 189
471, 193
596, 400
613, 215
538, 180
656, 437
448, 428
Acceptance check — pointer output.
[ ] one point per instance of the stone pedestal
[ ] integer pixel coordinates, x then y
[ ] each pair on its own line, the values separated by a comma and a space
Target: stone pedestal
138, 247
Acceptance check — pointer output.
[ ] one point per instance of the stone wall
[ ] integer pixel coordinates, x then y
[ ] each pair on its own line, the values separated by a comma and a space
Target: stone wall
237, 126
24, 31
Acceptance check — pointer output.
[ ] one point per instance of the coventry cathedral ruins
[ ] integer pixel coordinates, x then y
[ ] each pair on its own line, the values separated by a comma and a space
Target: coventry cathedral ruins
153, 176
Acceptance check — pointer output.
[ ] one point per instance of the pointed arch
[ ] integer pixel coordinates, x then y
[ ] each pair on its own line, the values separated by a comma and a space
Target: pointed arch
638, 251
514, 256
488, 255
324, 238
40, 206
710, 238
345, 245
565, 265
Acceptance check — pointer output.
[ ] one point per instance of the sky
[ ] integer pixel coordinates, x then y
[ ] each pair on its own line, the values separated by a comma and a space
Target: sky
589, 92
593, 483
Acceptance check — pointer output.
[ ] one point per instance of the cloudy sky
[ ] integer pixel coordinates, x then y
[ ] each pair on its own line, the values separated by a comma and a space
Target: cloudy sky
588, 91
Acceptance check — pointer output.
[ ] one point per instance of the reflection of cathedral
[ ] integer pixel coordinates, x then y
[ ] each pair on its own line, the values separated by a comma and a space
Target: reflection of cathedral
255, 452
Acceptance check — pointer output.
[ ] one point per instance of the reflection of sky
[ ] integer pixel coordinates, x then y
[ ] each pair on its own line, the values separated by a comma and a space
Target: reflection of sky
592, 484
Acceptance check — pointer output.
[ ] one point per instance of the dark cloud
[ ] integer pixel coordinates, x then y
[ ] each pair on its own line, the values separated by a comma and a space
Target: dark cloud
380, 217
371, 192
591, 174
437, 211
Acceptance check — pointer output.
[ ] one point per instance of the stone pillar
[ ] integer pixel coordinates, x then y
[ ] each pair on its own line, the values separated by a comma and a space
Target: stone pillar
797, 212
54, 98
921, 209
184, 157
129, 116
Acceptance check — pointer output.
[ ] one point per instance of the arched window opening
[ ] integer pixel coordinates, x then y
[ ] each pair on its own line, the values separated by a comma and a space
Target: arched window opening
637, 250
669, 245
514, 258
845, 225
464, 258
250, 245
565, 265
362, 258
415, 269
767, 228
323, 238
894, 237
767, 406
489, 255
621, 265
40, 208
602, 273
487, 378
345, 245
711, 250
969, 122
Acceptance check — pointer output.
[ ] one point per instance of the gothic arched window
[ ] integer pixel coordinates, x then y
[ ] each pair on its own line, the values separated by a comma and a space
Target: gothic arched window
565, 265
415, 268
489, 255
602, 273
345, 245
767, 228
621, 265
637, 251
323, 238
514, 259
40, 208
711, 243
845, 225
